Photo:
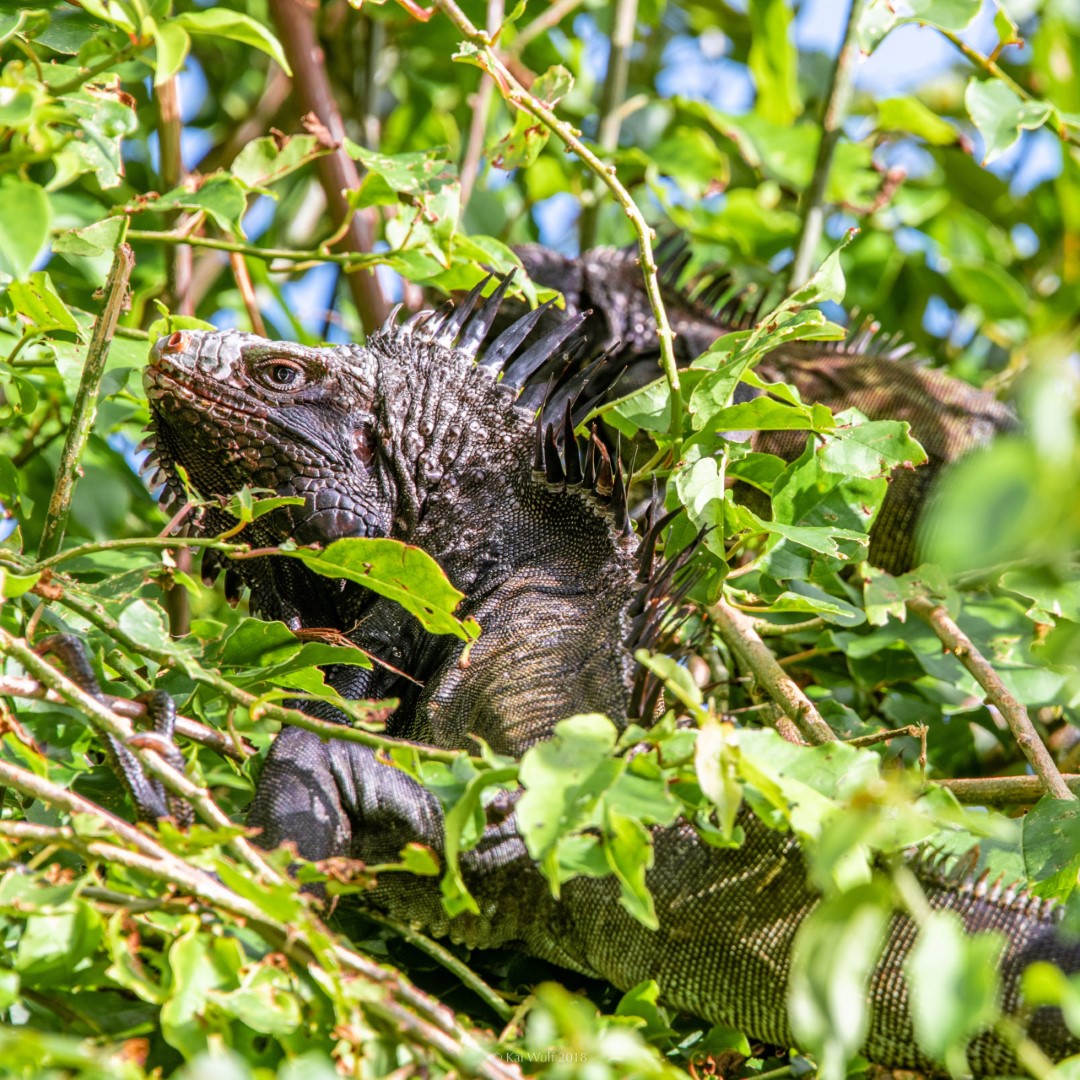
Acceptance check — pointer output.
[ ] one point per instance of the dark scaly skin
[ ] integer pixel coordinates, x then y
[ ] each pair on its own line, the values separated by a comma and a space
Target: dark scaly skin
948, 416
408, 438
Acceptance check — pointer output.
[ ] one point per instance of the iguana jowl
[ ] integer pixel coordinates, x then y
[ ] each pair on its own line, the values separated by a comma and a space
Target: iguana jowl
412, 437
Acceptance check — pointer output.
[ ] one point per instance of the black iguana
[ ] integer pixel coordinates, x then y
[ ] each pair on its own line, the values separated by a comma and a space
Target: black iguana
414, 437
949, 417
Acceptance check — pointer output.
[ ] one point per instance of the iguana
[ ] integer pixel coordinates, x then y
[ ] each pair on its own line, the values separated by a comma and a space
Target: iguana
949, 417
431, 435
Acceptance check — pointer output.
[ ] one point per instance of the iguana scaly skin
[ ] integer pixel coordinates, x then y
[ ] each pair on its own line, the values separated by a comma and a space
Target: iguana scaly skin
949, 417
411, 437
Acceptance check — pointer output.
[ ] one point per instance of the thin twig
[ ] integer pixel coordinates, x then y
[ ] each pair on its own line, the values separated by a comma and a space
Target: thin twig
1016, 716
612, 93
84, 408
836, 106
442, 955
470, 162
247, 292
742, 639
519, 97
21, 686
177, 297
544, 22
350, 260
337, 171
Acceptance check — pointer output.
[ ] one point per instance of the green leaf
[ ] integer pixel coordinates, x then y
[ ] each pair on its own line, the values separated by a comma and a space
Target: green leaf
219, 22
953, 980
221, 196
716, 766
564, 778
13, 585
25, 218
53, 947
173, 45
97, 239
773, 61
1000, 115
833, 956
265, 160
869, 448
521, 145
39, 303
398, 571
629, 852
1050, 843
989, 286
553, 85
909, 114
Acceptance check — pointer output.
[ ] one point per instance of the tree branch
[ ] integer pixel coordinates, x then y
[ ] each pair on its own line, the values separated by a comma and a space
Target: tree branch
743, 640
470, 162
84, 408
1016, 716
624, 18
836, 105
337, 171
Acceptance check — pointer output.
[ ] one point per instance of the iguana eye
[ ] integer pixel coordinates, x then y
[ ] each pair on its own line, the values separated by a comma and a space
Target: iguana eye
282, 375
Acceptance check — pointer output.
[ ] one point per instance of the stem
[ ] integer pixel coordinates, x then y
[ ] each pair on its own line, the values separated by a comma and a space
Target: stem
742, 639
470, 163
349, 260
337, 171
160, 542
247, 292
441, 955
91, 72
1003, 790
544, 22
84, 409
624, 18
841, 83
1016, 716
519, 97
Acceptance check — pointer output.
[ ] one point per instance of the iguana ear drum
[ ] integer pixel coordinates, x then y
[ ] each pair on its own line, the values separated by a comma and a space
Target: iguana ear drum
364, 444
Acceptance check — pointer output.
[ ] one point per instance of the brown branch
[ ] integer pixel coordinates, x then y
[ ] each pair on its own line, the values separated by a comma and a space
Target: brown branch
481, 106
1004, 790
247, 292
337, 171
1016, 716
741, 637
84, 408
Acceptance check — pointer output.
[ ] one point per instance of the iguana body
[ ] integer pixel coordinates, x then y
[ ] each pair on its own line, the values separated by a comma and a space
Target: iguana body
949, 417
410, 438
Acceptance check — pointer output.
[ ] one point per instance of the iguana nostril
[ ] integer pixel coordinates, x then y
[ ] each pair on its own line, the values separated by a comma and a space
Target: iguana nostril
175, 342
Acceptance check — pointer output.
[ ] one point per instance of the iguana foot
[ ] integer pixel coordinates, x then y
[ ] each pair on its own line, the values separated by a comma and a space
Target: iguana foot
152, 801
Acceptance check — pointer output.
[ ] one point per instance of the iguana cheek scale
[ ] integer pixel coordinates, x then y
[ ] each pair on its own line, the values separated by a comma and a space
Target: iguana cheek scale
415, 436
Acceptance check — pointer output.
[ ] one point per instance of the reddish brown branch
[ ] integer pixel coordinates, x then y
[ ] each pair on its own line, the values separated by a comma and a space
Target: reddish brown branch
338, 172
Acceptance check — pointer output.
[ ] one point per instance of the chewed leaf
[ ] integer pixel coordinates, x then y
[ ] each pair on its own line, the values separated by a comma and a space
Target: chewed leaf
399, 572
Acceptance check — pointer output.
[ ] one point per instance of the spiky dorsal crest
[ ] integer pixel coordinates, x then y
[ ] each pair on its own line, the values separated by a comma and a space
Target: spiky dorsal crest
565, 460
712, 293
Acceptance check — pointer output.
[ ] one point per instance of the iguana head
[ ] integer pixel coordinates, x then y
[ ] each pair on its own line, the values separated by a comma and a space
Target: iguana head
234, 410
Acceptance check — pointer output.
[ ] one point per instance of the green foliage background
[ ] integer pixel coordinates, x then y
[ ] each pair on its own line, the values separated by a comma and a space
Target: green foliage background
203, 962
